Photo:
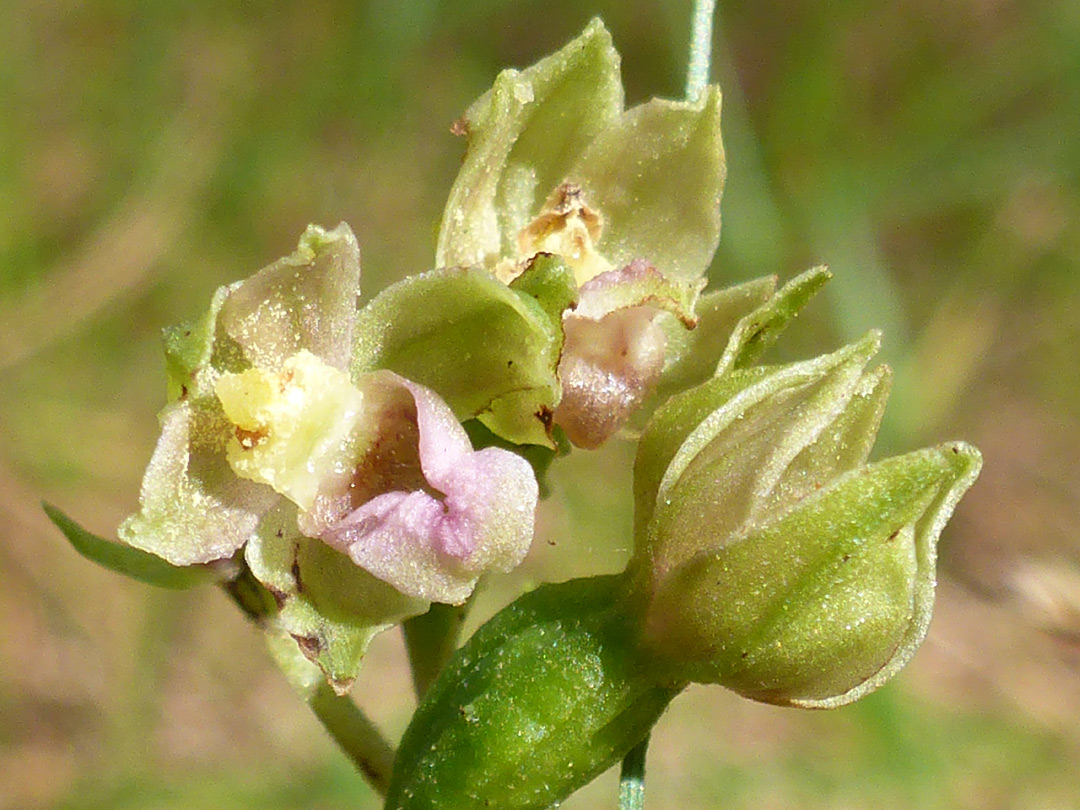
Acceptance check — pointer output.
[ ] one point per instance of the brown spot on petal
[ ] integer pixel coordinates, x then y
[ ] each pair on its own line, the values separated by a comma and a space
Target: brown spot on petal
250, 438
460, 127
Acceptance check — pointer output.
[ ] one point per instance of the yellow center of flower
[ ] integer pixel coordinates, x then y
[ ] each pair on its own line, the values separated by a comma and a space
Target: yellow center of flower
294, 428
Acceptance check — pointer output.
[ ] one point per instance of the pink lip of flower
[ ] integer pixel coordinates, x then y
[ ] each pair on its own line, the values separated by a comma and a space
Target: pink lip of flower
436, 547
615, 352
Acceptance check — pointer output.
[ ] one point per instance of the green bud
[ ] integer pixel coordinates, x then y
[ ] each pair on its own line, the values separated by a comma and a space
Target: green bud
825, 603
777, 564
542, 699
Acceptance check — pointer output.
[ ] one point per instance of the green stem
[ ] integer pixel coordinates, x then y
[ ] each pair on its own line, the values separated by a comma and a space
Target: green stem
632, 777
430, 640
697, 73
357, 737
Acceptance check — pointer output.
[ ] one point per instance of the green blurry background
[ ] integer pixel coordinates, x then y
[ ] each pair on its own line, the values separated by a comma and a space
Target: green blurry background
150, 152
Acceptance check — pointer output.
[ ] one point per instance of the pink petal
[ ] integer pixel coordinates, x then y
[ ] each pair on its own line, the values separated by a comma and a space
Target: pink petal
478, 514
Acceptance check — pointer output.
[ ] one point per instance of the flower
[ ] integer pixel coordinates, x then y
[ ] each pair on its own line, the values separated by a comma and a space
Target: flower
269, 444
556, 166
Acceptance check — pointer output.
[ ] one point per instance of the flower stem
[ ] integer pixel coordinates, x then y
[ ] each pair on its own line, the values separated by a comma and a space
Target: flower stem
430, 640
697, 73
632, 777
355, 734
357, 737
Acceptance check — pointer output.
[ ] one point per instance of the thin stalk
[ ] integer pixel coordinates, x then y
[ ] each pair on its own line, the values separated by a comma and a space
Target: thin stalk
697, 72
430, 640
632, 777
357, 737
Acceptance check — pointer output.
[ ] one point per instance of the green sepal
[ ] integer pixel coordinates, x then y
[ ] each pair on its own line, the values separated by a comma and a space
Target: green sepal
490, 352
330, 607
692, 355
826, 602
188, 351
542, 699
131, 562
728, 447
760, 329
656, 176
523, 136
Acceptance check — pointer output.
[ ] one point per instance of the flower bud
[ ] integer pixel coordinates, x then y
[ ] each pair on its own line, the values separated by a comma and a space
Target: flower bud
778, 564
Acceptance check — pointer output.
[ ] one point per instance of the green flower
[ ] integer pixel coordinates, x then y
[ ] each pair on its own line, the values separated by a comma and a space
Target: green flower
629, 200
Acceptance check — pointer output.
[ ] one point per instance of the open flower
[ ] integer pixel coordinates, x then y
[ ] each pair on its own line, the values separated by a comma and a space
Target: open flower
269, 444
629, 199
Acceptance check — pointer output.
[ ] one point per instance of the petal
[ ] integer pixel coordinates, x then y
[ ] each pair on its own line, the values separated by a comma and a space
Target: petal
524, 134
656, 177
607, 369
614, 352
489, 350
475, 514
304, 301
192, 508
329, 607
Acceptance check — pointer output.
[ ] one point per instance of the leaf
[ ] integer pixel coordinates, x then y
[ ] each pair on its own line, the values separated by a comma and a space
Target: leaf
132, 562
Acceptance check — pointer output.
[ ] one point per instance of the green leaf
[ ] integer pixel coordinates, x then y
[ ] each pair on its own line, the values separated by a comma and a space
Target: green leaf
760, 329
488, 351
656, 176
523, 136
131, 562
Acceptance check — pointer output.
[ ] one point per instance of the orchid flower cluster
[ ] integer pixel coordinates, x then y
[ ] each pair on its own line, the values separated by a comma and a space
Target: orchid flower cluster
344, 464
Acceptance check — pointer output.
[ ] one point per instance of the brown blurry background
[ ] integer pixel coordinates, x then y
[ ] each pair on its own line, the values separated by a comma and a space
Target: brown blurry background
149, 152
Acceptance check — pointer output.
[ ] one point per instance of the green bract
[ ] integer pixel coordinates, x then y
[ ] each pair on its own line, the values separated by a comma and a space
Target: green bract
774, 562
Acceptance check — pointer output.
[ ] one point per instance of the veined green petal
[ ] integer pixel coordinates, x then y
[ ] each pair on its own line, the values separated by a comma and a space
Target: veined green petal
524, 135
731, 461
656, 177
306, 300
487, 350
192, 508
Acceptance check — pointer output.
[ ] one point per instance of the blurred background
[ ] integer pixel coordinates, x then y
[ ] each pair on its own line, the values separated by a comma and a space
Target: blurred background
149, 152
